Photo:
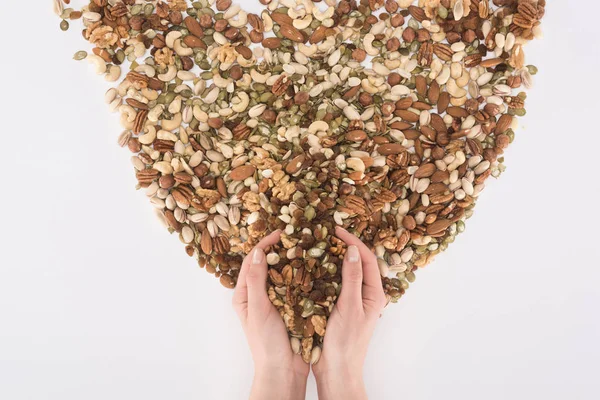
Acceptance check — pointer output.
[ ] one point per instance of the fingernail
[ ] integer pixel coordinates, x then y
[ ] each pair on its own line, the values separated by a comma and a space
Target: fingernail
352, 254
257, 257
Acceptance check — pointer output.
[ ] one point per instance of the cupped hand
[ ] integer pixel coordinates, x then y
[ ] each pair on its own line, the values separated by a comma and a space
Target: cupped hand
351, 324
279, 373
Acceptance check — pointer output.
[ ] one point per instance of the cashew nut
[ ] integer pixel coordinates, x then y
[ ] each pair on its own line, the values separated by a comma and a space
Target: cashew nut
392, 64
241, 21
220, 81
245, 82
258, 77
124, 87
172, 124
378, 28
169, 75
323, 15
318, 126
199, 114
150, 94
309, 5
368, 86
296, 13
128, 111
98, 62
368, 45
180, 50
303, 23
246, 63
155, 113
308, 51
232, 11
166, 135
149, 137
125, 123
225, 112
175, 105
241, 102
171, 37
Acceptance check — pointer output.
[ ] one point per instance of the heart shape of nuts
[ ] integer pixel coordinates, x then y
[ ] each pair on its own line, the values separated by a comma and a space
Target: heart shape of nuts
384, 117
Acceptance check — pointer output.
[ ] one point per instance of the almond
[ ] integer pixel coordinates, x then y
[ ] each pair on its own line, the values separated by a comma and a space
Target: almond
227, 281
271, 43
457, 112
425, 171
421, 84
390, 149
289, 32
318, 35
504, 122
206, 243
242, 172
282, 19
295, 165
439, 226
356, 136
244, 51
408, 116
433, 94
400, 125
194, 42
443, 102
193, 26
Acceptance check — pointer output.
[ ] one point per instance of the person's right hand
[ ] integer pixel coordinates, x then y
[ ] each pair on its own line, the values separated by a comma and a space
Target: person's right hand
339, 372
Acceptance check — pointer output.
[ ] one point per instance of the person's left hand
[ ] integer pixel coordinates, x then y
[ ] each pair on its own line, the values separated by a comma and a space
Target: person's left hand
279, 373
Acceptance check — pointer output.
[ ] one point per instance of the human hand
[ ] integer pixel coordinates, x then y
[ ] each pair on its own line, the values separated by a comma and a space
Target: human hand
339, 372
279, 373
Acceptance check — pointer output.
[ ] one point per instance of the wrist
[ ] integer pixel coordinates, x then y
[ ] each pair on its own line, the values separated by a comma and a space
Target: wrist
278, 384
340, 383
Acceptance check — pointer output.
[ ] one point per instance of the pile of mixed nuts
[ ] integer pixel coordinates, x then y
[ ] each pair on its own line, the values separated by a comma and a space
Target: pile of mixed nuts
385, 117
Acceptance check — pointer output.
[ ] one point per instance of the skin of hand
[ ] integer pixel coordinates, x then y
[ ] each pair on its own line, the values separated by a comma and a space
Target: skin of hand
339, 372
279, 373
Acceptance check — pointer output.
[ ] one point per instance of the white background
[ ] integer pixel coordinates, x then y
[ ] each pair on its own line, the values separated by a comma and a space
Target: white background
97, 301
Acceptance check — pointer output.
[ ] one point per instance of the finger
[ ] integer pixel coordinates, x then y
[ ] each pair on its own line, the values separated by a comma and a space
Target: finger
256, 280
240, 295
371, 275
352, 278
256, 271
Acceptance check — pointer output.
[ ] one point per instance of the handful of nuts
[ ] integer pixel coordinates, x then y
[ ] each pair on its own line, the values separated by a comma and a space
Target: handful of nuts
385, 117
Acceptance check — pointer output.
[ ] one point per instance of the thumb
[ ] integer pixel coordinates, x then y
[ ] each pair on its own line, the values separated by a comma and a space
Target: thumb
256, 279
352, 278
